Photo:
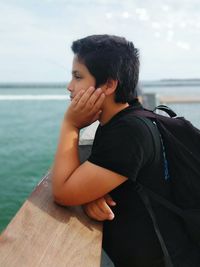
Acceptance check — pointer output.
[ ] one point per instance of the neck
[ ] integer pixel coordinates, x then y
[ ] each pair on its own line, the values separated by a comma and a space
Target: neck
110, 109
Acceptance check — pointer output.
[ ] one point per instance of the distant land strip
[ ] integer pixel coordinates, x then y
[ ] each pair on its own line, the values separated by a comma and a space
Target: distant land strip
170, 83
34, 97
33, 85
152, 83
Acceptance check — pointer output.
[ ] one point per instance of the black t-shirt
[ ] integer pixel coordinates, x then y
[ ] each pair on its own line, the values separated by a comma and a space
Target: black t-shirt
125, 145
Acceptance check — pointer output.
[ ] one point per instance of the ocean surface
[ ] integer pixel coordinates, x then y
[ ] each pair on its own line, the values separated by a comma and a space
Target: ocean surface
30, 120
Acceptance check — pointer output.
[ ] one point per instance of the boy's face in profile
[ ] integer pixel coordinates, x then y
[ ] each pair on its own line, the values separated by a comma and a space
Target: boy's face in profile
81, 78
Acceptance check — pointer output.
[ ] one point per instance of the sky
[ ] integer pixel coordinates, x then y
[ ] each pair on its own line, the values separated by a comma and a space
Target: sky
36, 36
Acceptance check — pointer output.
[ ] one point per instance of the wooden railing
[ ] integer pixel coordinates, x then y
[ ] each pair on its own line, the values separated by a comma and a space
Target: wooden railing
43, 234
179, 99
151, 100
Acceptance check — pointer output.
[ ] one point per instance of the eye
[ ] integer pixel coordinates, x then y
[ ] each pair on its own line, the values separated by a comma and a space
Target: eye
77, 77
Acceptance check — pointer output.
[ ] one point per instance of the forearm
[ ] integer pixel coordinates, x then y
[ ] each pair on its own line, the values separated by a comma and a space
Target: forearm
83, 110
67, 156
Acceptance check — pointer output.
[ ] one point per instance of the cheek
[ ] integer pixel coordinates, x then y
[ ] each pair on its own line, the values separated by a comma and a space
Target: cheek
77, 89
85, 85
90, 83
80, 86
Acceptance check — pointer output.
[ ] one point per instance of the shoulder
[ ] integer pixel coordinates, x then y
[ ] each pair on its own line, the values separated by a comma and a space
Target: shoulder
138, 125
125, 124
133, 126
124, 120
125, 128
124, 145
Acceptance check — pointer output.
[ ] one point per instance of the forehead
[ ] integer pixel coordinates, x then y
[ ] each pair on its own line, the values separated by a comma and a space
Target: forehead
77, 65
79, 68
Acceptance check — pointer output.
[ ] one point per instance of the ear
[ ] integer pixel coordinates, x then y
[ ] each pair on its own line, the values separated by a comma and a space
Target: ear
110, 86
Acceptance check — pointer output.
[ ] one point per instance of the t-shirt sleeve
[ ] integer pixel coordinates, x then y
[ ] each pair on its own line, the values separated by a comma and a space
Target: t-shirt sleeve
121, 149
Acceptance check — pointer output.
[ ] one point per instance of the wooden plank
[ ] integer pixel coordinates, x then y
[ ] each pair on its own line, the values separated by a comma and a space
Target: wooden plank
45, 234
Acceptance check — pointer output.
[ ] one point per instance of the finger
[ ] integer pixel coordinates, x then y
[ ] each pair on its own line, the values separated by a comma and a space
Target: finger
76, 99
93, 212
100, 215
83, 100
104, 208
93, 98
109, 200
98, 103
96, 110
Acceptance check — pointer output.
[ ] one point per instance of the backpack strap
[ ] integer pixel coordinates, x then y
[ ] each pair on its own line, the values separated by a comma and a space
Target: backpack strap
145, 199
151, 113
166, 109
151, 125
144, 196
157, 139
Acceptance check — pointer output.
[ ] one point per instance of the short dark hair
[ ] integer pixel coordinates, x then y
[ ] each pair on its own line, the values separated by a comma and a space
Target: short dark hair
110, 56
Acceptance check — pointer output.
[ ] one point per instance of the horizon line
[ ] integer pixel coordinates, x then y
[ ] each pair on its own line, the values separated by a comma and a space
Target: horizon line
61, 84
64, 82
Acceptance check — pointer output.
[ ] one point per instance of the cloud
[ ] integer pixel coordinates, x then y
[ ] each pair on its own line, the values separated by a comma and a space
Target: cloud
183, 45
142, 14
156, 25
170, 35
165, 8
109, 15
36, 35
125, 15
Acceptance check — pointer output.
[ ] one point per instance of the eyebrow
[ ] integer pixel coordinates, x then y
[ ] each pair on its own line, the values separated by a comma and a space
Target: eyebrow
74, 72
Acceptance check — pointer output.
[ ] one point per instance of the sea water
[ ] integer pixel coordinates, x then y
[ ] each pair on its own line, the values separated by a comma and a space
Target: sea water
30, 120
29, 130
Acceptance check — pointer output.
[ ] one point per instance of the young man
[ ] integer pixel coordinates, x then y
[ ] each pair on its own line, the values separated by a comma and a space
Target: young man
104, 78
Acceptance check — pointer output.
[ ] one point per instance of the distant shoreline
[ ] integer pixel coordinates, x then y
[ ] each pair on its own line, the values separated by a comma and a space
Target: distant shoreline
33, 85
171, 82
47, 85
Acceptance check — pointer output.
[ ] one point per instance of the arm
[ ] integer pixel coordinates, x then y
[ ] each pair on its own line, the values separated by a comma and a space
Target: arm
67, 158
75, 184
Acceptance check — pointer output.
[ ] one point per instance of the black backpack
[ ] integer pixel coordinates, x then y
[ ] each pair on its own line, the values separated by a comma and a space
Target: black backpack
181, 145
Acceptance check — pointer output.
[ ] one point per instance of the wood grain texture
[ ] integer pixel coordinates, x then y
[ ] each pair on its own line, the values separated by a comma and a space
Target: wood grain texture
45, 234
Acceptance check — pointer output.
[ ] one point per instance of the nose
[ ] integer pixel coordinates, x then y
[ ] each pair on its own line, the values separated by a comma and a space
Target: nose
69, 86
